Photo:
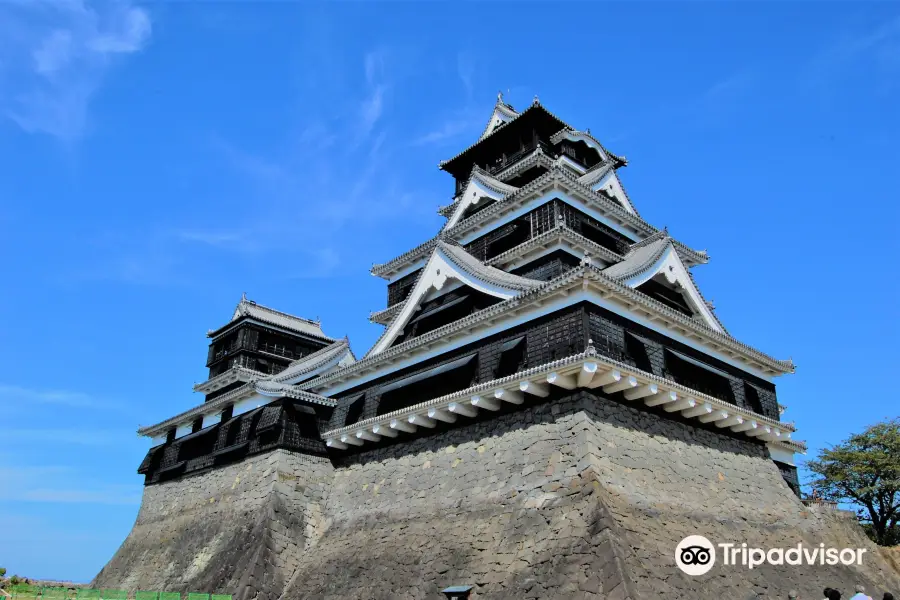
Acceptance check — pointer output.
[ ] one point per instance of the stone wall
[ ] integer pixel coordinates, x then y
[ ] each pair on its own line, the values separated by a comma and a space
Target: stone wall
239, 529
579, 497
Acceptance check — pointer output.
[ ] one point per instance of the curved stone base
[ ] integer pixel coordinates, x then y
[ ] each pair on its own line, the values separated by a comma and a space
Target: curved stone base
240, 529
579, 497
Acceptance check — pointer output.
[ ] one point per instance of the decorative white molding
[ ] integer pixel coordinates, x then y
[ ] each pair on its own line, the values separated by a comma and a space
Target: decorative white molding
672, 397
670, 267
502, 114
442, 268
481, 187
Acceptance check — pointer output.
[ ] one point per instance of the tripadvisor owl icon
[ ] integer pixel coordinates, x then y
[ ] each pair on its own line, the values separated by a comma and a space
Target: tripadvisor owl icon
695, 555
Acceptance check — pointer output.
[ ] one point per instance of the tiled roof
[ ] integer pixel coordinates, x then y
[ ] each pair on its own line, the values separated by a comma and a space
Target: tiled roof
557, 175
487, 181
466, 263
562, 134
638, 259
557, 233
478, 269
644, 254
311, 362
504, 109
536, 105
385, 316
583, 272
249, 308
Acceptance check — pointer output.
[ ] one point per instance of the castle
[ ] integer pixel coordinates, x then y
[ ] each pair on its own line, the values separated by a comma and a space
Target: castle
551, 407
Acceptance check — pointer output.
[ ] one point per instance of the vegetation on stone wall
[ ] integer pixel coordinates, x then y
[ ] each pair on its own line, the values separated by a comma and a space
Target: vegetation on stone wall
865, 471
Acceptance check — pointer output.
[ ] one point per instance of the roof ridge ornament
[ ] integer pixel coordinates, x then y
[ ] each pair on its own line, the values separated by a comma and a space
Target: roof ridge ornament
535, 100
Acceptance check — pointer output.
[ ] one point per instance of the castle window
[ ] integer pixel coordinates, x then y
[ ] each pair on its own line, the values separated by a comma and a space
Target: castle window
674, 299
354, 411
600, 237
427, 385
512, 355
753, 401
636, 351
698, 376
516, 234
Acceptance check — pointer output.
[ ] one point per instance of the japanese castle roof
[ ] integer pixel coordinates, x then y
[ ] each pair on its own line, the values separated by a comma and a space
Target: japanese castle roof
557, 177
270, 316
536, 113
339, 351
645, 255
504, 115
476, 268
585, 274
462, 266
337, 354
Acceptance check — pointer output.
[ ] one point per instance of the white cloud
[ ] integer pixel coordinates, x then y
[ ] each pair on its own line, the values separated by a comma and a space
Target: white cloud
880, 45
465, 68
451, 129
55, 55
372, 106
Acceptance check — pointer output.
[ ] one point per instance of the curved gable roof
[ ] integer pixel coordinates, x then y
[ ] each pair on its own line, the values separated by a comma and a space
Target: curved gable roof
449, 261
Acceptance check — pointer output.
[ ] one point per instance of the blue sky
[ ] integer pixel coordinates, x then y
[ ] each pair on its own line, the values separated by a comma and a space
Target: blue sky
159, 160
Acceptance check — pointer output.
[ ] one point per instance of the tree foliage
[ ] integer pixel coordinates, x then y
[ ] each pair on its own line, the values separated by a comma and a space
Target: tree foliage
865, 471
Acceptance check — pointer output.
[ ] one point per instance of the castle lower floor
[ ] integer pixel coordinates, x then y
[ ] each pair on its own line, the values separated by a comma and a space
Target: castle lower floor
582, 497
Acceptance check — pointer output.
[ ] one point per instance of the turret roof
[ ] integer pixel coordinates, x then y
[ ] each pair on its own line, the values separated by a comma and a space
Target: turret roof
249, 308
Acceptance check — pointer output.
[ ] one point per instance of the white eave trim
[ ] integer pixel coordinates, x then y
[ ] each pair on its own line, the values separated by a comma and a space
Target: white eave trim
250, 319
541, 190
584, 370
438, 272
480, 188
233, 397
226, 378
578, 285
669, 265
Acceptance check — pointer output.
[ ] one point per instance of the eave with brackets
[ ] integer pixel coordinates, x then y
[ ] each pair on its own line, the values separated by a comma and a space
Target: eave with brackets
586, 370
258, 389
584, 283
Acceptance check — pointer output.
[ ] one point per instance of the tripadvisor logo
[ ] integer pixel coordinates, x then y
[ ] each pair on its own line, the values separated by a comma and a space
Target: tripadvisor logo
696, 555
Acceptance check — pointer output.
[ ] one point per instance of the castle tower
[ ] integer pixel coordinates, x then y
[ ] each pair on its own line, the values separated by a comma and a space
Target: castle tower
551, 407
545, 277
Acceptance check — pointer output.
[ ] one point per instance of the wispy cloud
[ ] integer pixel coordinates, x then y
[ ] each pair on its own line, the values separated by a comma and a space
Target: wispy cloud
451, 129
465, 68
56, 54
879, 45
372, 106
464, 121
13, 394
326, 182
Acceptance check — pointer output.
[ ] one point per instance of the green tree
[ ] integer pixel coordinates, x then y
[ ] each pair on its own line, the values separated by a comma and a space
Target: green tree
865, 471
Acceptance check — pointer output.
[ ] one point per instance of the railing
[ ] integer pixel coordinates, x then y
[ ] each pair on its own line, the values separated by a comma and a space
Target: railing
276, 349
827, 504
226, 350
510, 159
